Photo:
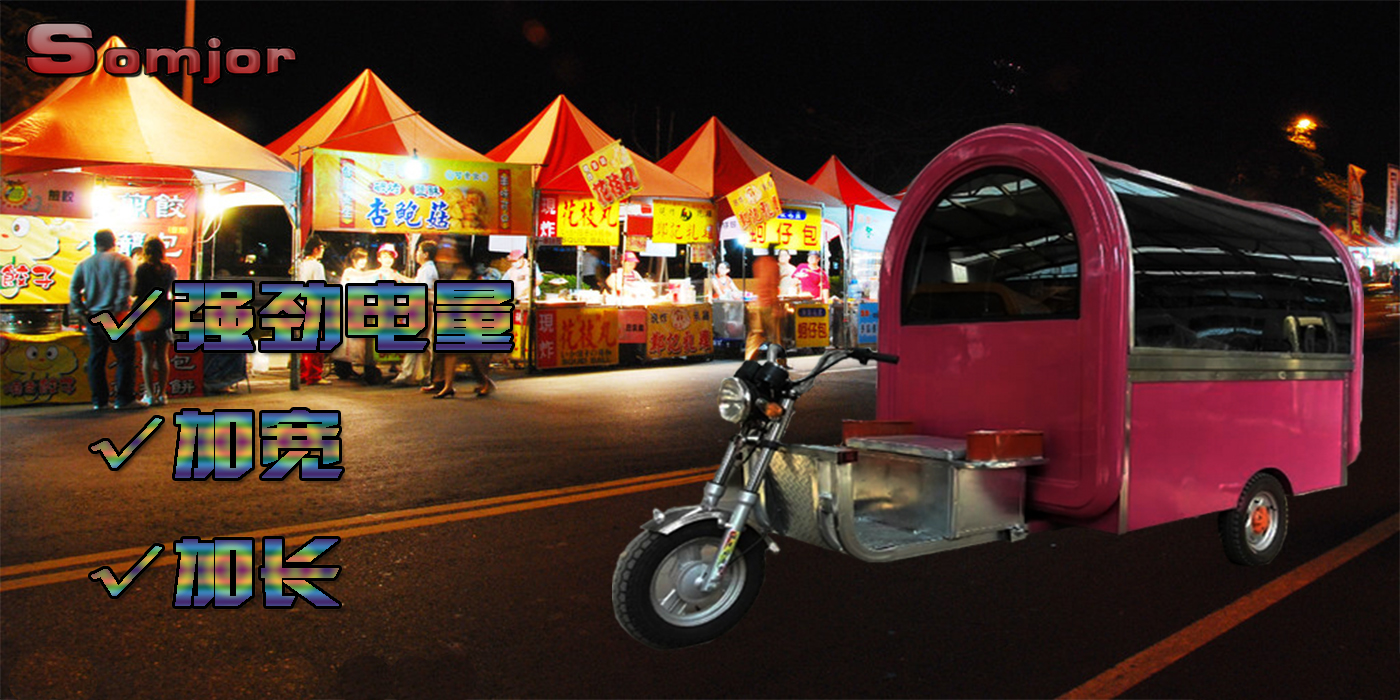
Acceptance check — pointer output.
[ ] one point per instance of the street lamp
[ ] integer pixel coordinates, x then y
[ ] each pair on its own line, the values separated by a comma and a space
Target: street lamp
1300, 132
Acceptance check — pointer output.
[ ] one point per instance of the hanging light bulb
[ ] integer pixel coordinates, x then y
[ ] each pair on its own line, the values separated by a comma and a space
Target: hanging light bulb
414, 168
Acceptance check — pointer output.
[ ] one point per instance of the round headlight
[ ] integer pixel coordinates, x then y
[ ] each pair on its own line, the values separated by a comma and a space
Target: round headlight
735, 399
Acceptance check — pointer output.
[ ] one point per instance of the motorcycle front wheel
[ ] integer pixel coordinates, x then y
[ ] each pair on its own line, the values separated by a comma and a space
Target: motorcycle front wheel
656, 593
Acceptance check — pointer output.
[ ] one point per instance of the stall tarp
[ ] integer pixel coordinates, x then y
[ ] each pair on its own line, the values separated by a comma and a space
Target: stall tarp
835, 179
368, 117
718, 162
98, 119
559, 137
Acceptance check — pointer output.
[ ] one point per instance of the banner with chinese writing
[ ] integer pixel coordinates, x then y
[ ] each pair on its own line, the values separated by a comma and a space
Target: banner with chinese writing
812, 326
868, 323
1392, 192
610, 174
578, 220
683, 222
38, 255
382, 194
1355, 200
755, 202
578, 336
679, 331
49, 194
795, 228
871, 228
165, 211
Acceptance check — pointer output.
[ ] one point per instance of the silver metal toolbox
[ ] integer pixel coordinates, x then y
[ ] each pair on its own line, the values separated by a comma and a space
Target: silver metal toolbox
882, 499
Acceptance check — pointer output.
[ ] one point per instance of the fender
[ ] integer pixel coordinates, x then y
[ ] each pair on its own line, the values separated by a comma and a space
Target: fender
676, 518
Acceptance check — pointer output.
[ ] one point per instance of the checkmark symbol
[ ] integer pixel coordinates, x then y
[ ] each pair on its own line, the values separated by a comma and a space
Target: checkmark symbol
115, 459
115, 331
109, 580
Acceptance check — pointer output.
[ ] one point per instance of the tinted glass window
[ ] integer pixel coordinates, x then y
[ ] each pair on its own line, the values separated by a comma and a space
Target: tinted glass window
996, 246
1211, 275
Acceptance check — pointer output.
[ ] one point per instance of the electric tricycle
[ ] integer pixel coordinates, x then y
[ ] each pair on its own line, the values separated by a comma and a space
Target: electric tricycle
1063, 341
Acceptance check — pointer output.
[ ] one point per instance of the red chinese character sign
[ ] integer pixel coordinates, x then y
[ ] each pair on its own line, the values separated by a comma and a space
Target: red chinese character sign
578, 220
610, 174
1356, 199
576, 337
137, 213
755, 202
679, 331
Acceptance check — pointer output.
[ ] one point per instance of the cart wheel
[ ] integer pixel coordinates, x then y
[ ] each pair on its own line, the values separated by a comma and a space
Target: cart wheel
1254, 530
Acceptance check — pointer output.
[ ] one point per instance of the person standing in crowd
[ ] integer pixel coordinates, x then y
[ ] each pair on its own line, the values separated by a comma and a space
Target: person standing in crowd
764, 324
787, 286
153, 330
313, 364
413, 366
102, 283
352, 350
386, 272
812, 279
519, 274
588, 268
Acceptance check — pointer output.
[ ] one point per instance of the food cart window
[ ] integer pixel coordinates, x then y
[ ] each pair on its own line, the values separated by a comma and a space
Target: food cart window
996, 246
1212, 275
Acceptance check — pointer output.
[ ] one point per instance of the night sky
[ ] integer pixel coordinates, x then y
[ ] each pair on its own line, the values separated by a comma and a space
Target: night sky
1188, 90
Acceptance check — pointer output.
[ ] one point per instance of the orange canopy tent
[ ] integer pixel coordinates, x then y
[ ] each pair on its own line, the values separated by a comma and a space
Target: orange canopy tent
558, 138
368, 117
100, 119
714, 159
835, 179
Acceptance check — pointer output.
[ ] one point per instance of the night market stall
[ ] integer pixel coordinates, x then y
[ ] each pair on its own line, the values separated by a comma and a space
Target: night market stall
103, 151
595, 303
869, 213
717, 161
376, 173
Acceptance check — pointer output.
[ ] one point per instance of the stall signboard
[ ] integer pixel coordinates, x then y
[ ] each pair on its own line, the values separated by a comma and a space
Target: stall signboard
382, 194
578, 220
576, 336
1356, 199
871, 228
38, 255
867, 323
137, 213
1392, 191
812, 325
683, 222
610, 174
680, 330
795, 228
755, 202
49, 193
51, 369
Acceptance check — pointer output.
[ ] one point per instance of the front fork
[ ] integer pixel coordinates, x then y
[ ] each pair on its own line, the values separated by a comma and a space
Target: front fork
748, 498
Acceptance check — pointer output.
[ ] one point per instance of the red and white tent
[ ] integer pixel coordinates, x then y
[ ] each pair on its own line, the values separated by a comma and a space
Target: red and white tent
836, 179
560, 137
368, 117
101, 119
719, 162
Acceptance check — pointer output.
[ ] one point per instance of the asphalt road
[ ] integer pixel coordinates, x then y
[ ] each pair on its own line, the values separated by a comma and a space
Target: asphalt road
450, 588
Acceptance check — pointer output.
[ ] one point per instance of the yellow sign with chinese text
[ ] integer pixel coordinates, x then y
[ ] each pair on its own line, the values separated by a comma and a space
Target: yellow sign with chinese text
581, 221
796, 228
683, 222
398, 194
812, 325
679, 331
755, 202
610, 174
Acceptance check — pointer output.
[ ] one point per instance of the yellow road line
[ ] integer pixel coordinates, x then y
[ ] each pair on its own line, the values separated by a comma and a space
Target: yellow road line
1117, 680
372, 523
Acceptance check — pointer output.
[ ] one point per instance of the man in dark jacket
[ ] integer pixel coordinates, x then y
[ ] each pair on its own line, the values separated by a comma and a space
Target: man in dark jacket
103, 283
